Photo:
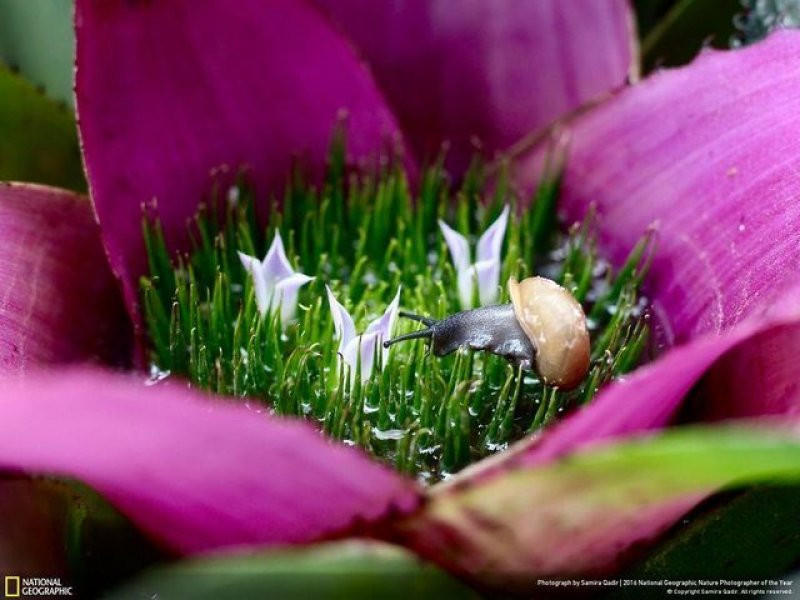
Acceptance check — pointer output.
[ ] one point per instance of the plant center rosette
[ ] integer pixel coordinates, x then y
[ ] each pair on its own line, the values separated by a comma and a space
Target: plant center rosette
293, 316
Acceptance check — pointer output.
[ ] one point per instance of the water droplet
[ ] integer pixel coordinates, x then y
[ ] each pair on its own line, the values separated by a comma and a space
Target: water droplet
233, 195
429, 449
370, 279
389, 434
156, 375
496, 447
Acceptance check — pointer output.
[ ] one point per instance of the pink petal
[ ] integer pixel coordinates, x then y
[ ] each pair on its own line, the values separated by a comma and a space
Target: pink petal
58, 299
171, 93
192, 472
709, 154
488, 71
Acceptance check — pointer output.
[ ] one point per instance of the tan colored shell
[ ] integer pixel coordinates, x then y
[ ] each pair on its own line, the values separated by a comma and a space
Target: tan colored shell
556, 325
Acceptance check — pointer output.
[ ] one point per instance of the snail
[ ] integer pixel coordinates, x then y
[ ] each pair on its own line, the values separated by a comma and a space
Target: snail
543, 326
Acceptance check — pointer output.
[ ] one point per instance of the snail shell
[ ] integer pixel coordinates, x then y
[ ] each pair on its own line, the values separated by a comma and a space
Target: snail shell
556, 326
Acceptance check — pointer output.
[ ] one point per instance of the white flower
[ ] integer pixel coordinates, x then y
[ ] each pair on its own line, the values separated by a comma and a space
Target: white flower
486, 269
366, 344
276, 283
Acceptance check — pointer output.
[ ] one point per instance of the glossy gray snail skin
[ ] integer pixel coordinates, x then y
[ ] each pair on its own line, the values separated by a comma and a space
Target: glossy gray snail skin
543, 327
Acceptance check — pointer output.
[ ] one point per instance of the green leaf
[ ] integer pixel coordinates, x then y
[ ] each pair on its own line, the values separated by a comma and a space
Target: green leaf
649, 13
62, 528
36, 39
31, 526
345, 570
685, 28
102, 546
585, 514
39, 141
754, 535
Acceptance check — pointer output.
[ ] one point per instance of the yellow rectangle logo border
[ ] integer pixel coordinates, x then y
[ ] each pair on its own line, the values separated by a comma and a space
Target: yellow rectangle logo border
8, 591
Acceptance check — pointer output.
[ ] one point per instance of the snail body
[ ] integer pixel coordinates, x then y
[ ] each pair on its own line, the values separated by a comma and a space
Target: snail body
543, 328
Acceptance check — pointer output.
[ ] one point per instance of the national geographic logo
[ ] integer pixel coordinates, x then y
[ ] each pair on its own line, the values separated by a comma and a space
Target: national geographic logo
12, 587
34, 587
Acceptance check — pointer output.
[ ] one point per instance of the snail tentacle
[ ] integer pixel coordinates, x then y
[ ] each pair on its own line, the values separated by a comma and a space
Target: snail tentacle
414, 317
414, 335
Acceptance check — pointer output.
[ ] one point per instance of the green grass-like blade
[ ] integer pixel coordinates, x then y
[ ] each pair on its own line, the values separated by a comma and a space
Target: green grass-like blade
365, 235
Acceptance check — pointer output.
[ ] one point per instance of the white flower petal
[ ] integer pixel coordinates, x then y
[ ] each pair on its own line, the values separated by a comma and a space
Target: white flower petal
342, 321
384, 325
363, 346
466, 287
276, 266
285, 295
255, 268
491, 242
458, 245
487, 274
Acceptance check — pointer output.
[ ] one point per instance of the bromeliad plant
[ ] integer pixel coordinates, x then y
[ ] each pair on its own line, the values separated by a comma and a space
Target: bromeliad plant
174, 96
367, 238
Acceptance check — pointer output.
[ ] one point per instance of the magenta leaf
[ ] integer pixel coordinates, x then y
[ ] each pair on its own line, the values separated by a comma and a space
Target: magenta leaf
488, 72
172, 95
707, 154
192, 472
59, 301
